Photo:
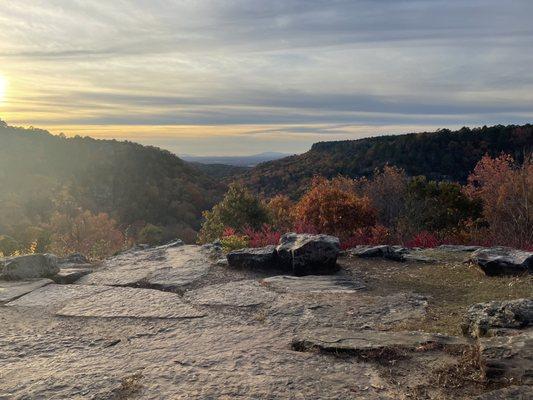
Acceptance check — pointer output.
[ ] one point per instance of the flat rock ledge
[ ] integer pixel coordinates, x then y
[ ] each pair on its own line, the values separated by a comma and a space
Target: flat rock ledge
374, 345
169, 268
313, 284
107, 302
245, 293
11, 290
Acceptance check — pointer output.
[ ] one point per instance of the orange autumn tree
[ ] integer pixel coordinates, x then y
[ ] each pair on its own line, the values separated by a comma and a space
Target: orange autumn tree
280, 209
506, 190
333, 207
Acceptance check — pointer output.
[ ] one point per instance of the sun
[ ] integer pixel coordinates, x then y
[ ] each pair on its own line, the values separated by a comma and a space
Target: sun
3, 87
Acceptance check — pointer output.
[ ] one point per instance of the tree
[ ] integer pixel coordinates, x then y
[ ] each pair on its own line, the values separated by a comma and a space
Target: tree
506, 190
387, 190
239, 209
436, 207
280, 208
94, 235
333, 207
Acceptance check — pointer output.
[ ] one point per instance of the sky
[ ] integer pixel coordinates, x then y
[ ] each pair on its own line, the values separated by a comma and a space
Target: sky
241, 77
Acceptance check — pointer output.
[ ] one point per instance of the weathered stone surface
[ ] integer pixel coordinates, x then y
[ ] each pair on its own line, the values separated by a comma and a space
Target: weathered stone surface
30, 267
120, 302
497, 317
11, 290
458, 248
243, 293
165, 267
75, 258
306, 254
390, 252
55, 296
508, 359
70, 275
253, 258
373, 344
313, 284
497, 261
509, 393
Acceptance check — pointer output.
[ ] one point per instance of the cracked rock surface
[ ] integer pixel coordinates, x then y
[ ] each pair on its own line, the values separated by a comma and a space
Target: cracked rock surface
171, 323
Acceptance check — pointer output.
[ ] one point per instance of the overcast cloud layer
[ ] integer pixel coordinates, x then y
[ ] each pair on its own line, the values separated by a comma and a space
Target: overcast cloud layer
228, 77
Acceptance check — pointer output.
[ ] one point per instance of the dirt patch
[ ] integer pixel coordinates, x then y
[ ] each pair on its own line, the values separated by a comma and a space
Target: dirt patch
451, 288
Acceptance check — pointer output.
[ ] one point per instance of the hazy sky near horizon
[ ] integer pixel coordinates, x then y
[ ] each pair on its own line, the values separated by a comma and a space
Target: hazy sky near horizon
241, 77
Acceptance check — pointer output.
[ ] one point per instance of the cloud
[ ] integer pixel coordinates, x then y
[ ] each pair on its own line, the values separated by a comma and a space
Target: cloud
313, 66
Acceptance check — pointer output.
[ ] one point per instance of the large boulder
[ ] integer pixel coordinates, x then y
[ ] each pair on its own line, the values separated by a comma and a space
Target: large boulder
498, 318
306, 254
254, 258
496, 261
31, 266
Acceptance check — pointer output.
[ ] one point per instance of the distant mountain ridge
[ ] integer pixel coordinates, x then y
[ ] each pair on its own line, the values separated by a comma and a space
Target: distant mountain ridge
440, 155
132, 183
237, 161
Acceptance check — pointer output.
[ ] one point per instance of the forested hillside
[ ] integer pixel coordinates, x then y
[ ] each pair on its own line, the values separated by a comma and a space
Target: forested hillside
45, 177
441, 155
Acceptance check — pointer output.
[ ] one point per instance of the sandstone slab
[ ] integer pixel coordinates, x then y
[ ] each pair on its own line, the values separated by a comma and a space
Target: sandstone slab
70, 275
166, 267
313, 284
373, 344
54, 295
243, 293
11, 290
120, 302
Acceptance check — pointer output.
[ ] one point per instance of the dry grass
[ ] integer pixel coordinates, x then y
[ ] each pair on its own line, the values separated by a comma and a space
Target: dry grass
451, 287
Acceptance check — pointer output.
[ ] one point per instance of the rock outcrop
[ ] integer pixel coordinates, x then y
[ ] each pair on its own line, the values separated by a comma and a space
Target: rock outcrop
497, 318
300, 254
497, 261
260, 258
395, 253
31, 266
305, 254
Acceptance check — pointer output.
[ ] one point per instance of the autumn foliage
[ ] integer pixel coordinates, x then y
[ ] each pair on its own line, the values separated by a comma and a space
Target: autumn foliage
494, 208
334, 207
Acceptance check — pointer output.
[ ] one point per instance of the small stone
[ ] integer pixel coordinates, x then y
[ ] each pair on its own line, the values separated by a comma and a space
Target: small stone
70, 275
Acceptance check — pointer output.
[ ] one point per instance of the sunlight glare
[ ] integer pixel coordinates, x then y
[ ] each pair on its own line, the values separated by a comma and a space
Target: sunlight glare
3, 87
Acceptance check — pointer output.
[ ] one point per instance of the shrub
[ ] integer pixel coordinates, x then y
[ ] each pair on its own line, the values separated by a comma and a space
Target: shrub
373, 235
230, 240
263, 237
152, 235
424, 239
238, 209
333, 207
